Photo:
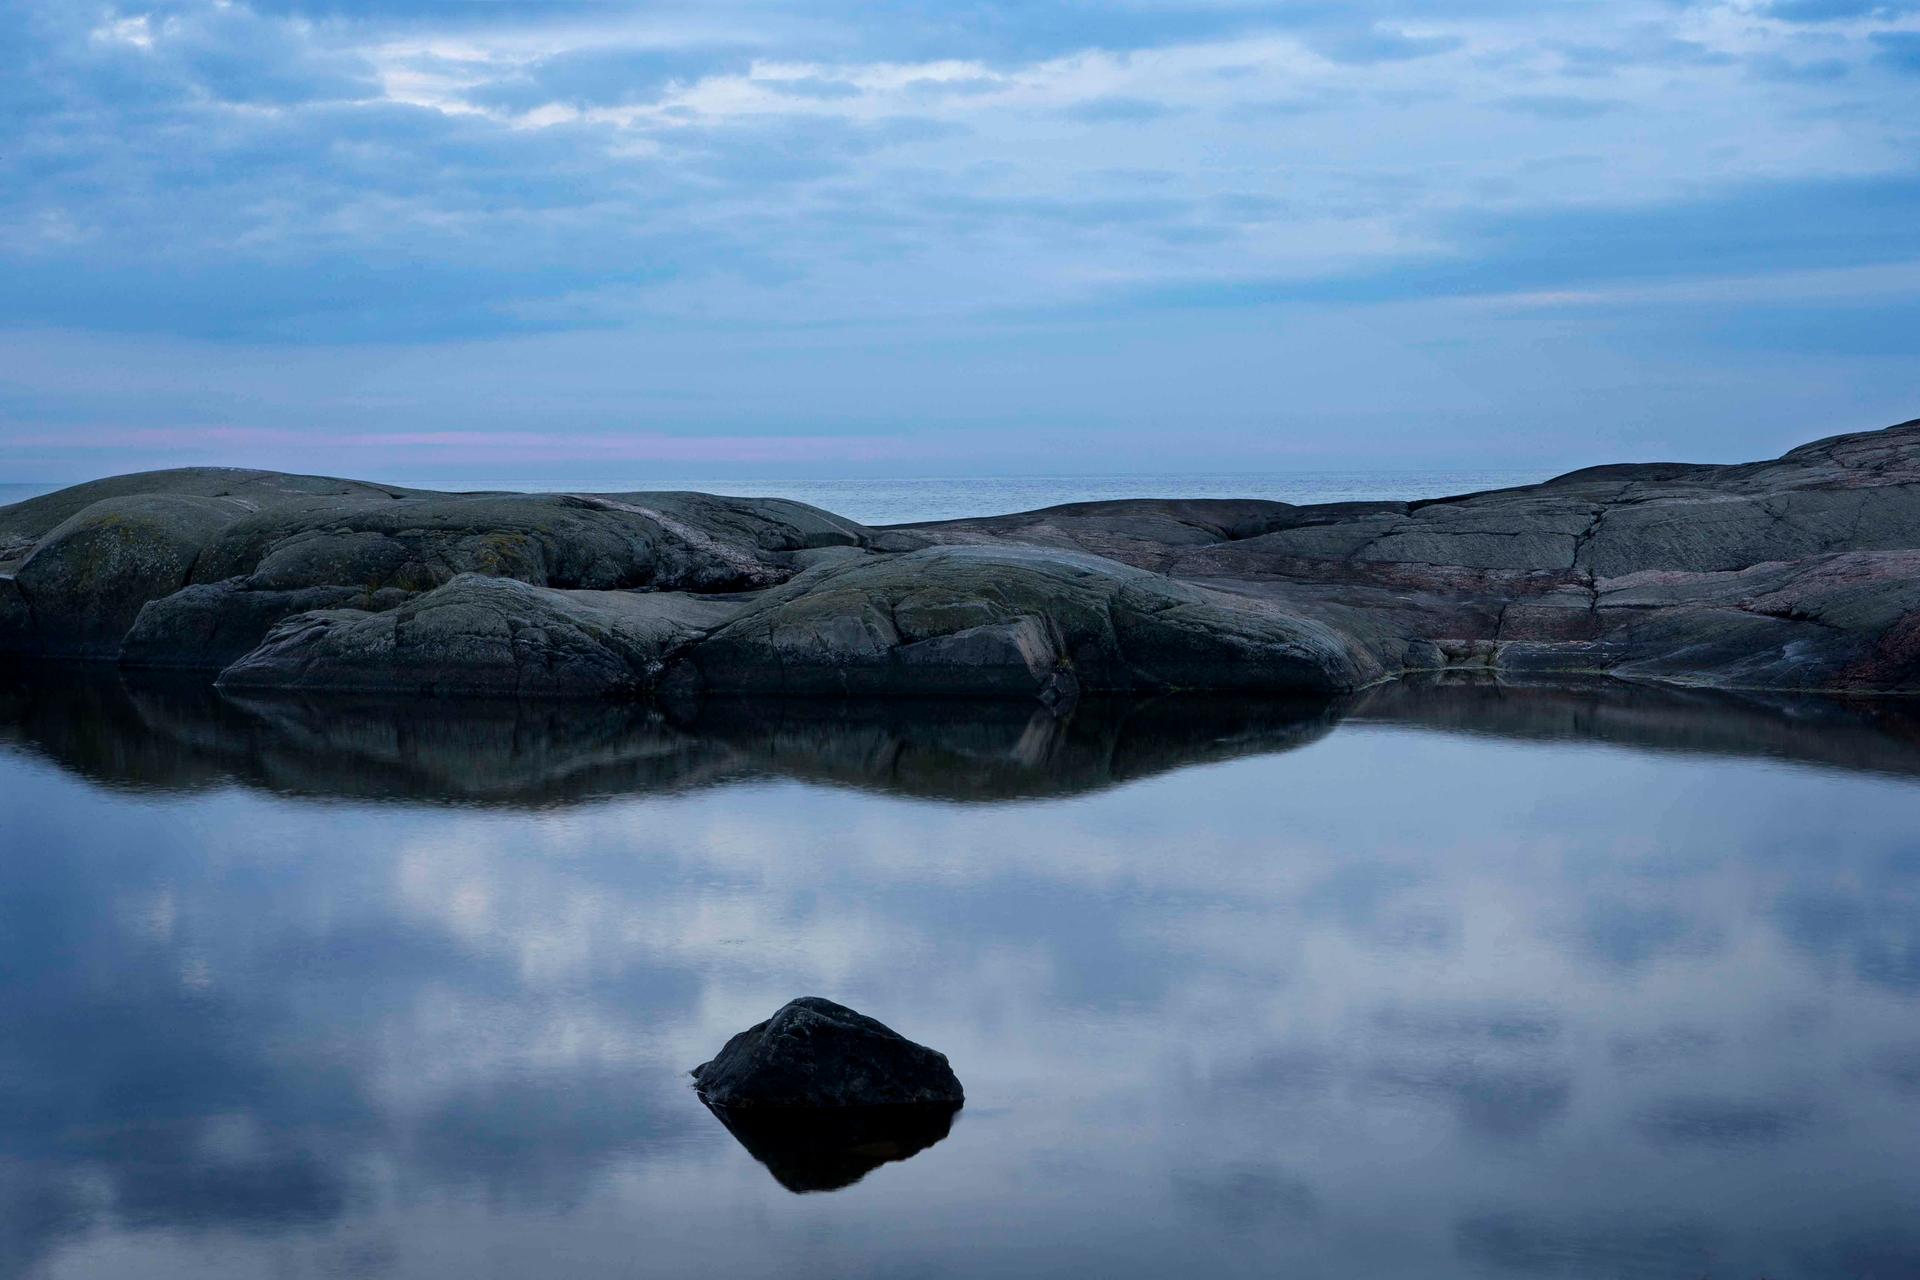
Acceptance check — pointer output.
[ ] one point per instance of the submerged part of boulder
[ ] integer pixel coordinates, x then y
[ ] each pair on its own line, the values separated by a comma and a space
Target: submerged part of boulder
814, 1053
831, 1148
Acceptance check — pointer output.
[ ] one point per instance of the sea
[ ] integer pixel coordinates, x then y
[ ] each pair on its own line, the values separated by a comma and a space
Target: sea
1459, 982
910, 499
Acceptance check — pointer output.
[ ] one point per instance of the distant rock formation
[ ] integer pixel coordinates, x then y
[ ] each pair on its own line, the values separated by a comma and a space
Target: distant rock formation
1802, 573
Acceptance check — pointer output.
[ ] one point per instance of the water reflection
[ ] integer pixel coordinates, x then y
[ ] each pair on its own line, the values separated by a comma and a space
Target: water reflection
1447, 981
148, 730
833, 1148
183, 735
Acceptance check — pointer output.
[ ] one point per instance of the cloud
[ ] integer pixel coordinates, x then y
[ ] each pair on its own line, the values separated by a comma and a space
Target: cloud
1554, 106
1382, 44
224, 53
601, 76
335, 173
1900, 50
332, 174
1768, 227
1117, 109
1836, 10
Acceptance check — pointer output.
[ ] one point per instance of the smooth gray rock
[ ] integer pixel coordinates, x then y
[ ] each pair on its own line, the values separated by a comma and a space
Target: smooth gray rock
86, 580
1663, 571
244, 550
976, 620
212, 625
813, 1053
486, 636
662, 542
1146, 532
246, 490
93, 554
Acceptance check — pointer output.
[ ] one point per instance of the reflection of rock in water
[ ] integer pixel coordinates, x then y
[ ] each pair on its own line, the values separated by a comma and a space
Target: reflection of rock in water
155, 733
173, 734
825, 1149
1880, 735
976, 750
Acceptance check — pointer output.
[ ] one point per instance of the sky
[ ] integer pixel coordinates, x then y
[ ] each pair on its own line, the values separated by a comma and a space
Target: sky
607, 241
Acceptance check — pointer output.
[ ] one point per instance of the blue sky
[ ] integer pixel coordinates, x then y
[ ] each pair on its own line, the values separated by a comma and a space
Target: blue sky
604, 240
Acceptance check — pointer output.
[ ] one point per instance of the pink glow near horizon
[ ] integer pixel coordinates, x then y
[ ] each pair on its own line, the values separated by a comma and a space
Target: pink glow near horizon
497, 446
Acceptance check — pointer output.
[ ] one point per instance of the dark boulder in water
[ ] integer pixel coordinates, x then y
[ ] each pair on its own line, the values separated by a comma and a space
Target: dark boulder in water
823, 1095
815, 1054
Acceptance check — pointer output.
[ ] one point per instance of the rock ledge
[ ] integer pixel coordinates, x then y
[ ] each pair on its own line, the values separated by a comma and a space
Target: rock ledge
1801, 573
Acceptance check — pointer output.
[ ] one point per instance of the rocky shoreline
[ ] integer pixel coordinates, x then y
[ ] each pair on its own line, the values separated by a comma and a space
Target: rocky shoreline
1801, 573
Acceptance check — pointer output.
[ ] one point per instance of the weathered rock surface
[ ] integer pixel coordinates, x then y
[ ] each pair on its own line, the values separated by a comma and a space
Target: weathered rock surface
1800, 573
481, 635
594, 542
813, 1053
247, 490
213, 625
224, 555
1014, 620
86, 580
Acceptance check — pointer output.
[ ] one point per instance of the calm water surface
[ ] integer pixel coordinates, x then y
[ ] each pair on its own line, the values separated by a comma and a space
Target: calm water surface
1445, 982
895, 500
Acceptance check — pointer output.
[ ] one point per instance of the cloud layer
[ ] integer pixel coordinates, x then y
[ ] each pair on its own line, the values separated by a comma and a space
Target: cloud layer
801, 206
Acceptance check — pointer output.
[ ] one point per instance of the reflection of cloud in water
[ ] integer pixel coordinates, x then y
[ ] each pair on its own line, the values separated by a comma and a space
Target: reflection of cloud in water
1528, 1244
1247, 1197
1870, 1253
1490, 1101
1518, 1027
1901, 1068
1633, 935
1721, 1122
1652, 1049
1267, 1012
546, 1139
1879, 939
1277, 1072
